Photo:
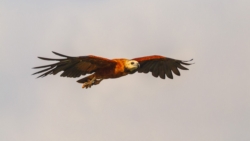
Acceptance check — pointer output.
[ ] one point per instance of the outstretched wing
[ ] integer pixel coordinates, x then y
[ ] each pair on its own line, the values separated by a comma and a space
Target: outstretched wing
74, 66
161, 66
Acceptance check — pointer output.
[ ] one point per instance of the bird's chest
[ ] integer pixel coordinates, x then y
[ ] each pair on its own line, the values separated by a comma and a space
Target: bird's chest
112, 72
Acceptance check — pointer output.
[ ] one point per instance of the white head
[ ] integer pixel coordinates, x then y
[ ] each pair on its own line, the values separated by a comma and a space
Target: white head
132, 65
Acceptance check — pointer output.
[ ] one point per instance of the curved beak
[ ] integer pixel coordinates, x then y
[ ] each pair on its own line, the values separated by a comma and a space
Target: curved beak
138, 65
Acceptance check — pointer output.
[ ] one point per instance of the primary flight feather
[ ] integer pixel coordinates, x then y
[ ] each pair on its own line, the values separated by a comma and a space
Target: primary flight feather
102, 68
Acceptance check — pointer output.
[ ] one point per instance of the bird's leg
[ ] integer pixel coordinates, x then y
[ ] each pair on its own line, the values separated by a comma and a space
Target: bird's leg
97, 81
89, 83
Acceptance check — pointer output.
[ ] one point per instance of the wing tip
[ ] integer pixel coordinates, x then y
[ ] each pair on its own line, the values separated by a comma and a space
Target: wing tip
171, 78
59, 54
188, 62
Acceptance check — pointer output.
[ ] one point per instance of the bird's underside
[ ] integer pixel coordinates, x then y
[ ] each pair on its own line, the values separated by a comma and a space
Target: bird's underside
100, 68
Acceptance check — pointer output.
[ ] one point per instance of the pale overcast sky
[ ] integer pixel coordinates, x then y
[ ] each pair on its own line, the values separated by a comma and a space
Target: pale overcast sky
210, 102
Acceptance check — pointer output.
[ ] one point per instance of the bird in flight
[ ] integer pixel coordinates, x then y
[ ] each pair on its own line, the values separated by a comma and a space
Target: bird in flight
100, 68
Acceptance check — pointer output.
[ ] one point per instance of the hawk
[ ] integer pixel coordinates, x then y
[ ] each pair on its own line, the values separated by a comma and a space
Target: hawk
100, 68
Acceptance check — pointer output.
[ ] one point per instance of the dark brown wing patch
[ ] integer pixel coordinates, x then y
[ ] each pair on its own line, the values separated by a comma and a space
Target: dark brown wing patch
161, 66
74, 66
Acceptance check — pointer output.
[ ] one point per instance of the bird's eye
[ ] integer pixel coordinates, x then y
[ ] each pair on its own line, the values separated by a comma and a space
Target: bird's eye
132, 63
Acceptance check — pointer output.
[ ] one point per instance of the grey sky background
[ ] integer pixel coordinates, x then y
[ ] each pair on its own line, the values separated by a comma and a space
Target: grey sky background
210, 102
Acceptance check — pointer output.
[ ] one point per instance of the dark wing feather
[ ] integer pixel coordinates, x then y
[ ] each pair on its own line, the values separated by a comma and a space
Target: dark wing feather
74, 66
161, 66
